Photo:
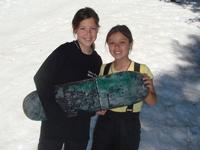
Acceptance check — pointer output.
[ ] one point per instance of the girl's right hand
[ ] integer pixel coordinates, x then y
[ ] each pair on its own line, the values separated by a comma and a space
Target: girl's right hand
101, 112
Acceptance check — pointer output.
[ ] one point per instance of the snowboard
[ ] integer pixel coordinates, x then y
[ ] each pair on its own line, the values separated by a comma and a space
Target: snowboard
103, 92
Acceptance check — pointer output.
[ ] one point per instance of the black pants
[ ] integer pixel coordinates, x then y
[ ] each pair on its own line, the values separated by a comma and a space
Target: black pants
55, 134
117, 131
57, 145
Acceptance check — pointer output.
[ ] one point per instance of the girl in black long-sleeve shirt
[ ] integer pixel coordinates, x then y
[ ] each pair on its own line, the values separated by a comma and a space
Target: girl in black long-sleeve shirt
70, 62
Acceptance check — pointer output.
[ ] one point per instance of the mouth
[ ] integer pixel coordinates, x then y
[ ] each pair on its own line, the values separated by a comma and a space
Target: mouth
88, 40
117, 52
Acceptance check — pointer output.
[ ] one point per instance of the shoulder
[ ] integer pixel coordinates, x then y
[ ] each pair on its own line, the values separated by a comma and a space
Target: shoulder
145, 69
65, 46
96, 58
103, 68
64, 49
96, 54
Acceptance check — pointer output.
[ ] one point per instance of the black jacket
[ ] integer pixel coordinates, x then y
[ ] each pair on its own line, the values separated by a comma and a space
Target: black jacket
65, 64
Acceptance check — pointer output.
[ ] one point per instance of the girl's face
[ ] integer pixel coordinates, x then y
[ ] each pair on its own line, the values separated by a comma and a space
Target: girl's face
119, 46
86, 33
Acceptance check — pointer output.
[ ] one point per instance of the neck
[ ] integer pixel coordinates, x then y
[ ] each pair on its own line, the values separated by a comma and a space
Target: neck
122, 65
84, 49
87, 51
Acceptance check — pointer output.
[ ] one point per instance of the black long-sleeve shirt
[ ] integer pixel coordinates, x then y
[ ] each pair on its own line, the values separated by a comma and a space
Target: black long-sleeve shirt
65, 64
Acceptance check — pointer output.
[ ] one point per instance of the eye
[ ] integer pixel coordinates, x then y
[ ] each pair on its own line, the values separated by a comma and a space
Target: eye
111, 43
123, 42
94, 28
82, 28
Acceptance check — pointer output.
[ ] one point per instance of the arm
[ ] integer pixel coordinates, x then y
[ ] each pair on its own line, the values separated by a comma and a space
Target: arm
44, 81
151, 96
101, 112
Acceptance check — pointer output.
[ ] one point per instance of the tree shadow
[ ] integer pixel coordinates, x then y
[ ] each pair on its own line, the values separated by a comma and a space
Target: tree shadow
178, 108
194, 7
195, 4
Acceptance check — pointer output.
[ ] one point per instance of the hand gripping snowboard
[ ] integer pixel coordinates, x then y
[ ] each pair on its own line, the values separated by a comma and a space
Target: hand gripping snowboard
105, 92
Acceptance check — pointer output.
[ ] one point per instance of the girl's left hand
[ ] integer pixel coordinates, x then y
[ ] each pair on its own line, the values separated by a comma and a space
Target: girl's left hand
151, 96
148, 82
101, 112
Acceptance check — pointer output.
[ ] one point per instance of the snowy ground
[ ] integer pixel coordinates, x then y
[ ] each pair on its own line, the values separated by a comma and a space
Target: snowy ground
167, 39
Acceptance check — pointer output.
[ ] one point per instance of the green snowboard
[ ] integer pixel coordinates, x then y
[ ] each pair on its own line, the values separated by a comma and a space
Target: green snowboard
105, 92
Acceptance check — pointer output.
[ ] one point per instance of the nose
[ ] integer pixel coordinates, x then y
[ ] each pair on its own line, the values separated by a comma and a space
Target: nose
117, 45
88, 32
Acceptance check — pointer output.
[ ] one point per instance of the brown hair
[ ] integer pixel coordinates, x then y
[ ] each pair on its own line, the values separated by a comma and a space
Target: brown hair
82, 14
122, 29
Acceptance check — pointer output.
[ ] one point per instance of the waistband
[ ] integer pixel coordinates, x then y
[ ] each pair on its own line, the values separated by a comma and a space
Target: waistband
113, 114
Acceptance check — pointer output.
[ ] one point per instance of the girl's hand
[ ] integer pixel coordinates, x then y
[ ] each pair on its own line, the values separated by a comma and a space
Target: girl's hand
148, 82
101, 112
151, 96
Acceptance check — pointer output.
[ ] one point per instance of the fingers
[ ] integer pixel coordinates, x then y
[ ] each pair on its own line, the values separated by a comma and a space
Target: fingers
148, 82
101, 112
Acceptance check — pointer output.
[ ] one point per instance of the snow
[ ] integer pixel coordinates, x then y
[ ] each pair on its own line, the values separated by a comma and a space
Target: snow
166, 38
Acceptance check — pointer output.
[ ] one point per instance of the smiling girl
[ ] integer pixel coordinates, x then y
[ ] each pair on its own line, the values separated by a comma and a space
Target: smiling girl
69, 62
119, 128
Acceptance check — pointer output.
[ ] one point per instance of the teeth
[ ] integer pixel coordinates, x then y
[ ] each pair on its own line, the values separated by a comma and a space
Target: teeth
88, 40
117, 52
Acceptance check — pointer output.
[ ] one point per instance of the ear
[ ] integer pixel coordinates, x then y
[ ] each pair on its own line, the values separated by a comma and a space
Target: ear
98, 29
131, 46
75, 31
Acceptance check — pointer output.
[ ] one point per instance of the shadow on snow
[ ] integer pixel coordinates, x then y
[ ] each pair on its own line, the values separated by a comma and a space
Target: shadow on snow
176, 118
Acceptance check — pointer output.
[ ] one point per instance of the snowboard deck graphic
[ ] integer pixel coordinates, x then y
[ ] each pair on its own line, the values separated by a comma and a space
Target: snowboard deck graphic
104, 92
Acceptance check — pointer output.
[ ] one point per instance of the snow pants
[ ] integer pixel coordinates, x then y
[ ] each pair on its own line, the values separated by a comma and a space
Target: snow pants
117, 131
59, 145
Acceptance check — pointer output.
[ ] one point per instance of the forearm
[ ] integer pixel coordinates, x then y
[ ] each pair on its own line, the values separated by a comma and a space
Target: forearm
151, 98
46, 94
